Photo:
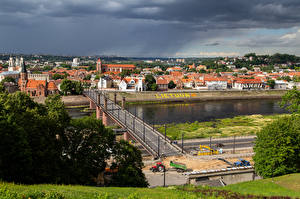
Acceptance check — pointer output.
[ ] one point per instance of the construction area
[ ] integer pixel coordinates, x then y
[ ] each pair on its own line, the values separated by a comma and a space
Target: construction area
175, 170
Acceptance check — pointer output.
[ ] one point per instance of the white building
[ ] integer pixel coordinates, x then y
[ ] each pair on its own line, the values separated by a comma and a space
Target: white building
281, 84
13, 74
216, 84
105, 82
76, 62
132, 84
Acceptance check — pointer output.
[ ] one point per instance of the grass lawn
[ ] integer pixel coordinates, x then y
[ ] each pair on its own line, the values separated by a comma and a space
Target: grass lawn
85, 192
239, 126
288, 185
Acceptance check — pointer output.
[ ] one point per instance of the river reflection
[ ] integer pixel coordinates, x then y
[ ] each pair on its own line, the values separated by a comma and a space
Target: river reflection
204, 111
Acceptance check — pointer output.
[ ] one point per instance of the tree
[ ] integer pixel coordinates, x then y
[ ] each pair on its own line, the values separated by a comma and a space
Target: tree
171, 85
28, 142
291, 100
277, 148
8, 79
71, 87
128, 160
87, 146
271, 83
150, 83
58, 76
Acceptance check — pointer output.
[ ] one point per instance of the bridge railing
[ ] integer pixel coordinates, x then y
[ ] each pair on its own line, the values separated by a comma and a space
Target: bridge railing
143, 132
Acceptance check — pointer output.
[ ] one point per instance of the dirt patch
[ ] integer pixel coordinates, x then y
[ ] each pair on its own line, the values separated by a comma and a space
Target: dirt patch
200, 164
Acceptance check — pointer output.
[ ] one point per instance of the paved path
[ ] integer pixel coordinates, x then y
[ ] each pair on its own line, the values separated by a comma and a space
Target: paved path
150, 138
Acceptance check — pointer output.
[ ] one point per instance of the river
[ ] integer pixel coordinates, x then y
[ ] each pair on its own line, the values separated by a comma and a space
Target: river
198, 111
204, 111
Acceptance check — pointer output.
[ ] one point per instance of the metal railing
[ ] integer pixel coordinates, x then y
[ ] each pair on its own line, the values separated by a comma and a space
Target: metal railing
156, 143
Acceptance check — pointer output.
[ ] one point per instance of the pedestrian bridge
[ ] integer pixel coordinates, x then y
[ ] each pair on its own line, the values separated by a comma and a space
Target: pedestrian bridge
152, 140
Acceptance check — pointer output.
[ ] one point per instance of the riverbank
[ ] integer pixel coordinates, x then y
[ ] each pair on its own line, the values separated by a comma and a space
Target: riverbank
187, 96
70, 101
237, 126
150, 97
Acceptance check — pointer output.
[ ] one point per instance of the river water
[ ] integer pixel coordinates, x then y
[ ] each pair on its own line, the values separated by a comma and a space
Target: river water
198, 111
204, 111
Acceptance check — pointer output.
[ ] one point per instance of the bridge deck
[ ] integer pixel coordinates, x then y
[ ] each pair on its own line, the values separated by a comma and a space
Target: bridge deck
151, 139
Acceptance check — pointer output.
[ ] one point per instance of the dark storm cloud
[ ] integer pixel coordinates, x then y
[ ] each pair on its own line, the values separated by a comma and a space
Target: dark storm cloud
136, 26
192, 13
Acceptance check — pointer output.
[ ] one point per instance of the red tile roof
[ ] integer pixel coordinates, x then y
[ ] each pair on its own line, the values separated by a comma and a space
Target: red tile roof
31, 83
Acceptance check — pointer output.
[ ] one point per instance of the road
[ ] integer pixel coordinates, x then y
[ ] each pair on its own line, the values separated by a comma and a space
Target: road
193, 144
239, 143
172, 178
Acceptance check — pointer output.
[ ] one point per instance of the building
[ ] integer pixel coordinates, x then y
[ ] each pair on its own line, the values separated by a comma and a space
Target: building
76, 62
132, 84
13, 74
35, 88
216, 83
105, 82
162, 84
102, 68
242, 84
15, 65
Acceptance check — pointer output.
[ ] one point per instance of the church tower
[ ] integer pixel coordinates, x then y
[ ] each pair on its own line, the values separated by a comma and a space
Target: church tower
24, 77
99, 66
11, 64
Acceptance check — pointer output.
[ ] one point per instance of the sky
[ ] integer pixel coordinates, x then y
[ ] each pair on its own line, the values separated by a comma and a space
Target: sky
150, 28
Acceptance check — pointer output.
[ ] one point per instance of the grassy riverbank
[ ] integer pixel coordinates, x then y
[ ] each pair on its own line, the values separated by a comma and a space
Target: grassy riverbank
239, 126
287, 185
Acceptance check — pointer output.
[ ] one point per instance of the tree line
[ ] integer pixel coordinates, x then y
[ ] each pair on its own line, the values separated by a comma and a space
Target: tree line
42, 144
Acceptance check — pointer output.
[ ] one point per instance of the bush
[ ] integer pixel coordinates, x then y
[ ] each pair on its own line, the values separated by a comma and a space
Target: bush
277, 147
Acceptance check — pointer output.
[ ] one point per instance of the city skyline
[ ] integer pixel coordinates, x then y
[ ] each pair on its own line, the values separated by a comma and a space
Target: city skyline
156, 28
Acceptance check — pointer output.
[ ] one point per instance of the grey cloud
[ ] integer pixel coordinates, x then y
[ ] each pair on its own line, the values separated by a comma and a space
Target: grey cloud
137, 27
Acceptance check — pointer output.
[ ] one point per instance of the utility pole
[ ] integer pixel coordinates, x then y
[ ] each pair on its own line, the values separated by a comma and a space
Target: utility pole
165, 132
234, 144
182, 142
210, 145
158, 140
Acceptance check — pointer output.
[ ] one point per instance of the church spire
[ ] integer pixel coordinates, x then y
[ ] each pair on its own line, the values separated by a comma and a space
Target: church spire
23, 67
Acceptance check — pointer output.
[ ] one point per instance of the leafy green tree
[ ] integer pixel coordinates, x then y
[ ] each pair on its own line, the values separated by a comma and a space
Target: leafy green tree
71, 87
128, 160
87, 146
47, 68
150, 83
277, 148
125, 73
171, 85
271, 83
291, 100
8, 79
28, 142
58, 76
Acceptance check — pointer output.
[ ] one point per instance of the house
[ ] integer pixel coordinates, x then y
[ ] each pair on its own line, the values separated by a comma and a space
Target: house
242, 84
281, 84
162, 84
216, 83
201, 67
200, 84
172, 69
105, 82
132, 84
188, 83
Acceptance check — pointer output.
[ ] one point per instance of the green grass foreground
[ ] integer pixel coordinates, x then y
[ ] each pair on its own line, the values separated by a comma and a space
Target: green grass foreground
288, 185
239, 126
